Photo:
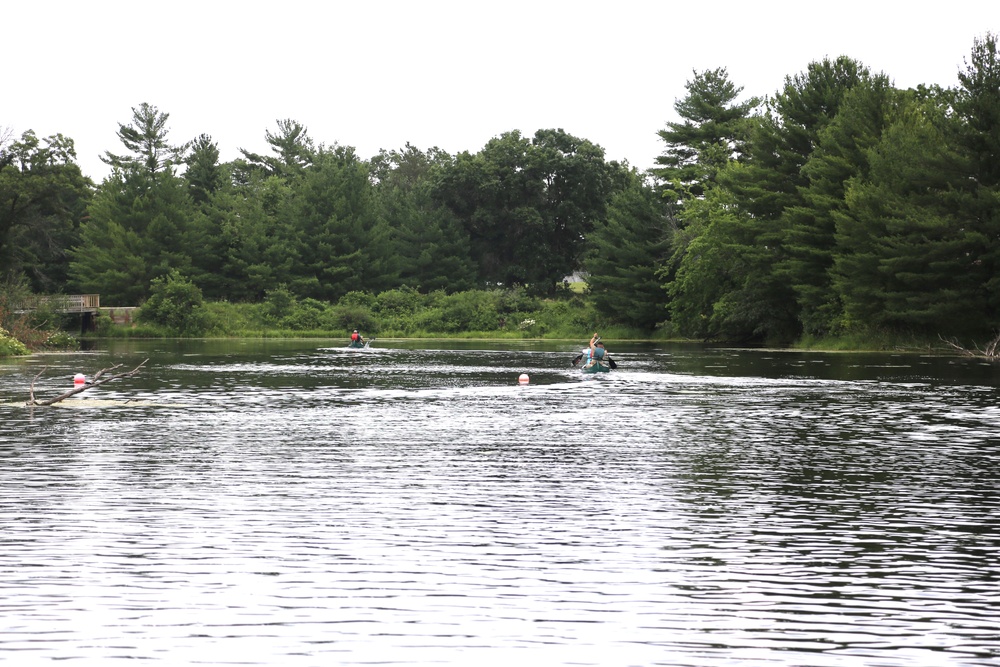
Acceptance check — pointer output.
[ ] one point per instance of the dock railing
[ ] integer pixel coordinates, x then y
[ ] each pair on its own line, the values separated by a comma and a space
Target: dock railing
68, 303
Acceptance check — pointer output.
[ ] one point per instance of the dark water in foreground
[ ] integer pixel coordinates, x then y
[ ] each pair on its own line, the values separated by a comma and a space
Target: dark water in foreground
293, 503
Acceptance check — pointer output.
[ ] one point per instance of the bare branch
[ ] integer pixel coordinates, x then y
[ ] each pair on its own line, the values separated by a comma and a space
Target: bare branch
991, 351
31, 389
98, 380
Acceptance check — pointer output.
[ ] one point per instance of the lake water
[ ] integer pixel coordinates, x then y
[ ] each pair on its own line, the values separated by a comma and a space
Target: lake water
296, 503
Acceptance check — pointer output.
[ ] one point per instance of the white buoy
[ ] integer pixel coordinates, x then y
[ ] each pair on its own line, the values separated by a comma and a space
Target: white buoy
79, 379
523, 378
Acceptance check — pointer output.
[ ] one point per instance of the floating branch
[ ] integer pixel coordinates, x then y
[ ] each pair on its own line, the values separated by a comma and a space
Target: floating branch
98, 380
991, 351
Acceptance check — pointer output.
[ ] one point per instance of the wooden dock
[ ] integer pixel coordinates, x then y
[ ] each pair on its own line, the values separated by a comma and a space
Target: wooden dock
71, 303
87, 306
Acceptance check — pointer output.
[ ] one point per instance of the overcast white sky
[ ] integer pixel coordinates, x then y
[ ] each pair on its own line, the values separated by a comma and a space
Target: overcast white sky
445, 73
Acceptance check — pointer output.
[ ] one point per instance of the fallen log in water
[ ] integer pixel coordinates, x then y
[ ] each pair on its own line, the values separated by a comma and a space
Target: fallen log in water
98, 380
991, 351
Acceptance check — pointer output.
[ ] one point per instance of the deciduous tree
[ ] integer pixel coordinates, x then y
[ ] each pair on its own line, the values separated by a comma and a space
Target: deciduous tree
528, 205
43, 196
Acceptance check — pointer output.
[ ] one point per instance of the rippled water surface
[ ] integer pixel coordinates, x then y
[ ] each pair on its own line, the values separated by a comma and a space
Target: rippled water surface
296, 503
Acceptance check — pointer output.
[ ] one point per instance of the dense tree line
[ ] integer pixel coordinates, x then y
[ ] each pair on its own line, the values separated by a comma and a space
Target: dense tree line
843, 205
840, 204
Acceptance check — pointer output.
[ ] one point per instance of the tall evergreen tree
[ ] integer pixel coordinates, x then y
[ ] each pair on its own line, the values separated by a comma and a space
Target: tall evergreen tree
111, 257
293, 148
977, 104
146, 140
339, 245
810, 241
204, 174
431, 245
907, 255
713, 269
712, 131
256, 251
772, 182
627, 250
142, 222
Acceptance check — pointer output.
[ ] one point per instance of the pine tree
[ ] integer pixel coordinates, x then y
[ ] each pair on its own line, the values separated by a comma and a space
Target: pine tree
712, 132
627, 249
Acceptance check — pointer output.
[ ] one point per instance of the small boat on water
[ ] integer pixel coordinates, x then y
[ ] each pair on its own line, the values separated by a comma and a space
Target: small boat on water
597, 366
354, 345
600, 362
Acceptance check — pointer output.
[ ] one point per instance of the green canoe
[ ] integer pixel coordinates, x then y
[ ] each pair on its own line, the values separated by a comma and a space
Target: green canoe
596, 366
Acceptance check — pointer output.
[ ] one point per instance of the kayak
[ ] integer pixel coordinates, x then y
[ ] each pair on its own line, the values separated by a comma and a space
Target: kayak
357, 346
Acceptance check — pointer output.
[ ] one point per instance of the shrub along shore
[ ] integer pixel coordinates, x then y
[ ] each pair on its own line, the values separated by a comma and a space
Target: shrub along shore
176, 309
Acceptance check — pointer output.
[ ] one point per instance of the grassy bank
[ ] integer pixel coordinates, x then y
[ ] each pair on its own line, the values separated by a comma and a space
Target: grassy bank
871, 342
403, 313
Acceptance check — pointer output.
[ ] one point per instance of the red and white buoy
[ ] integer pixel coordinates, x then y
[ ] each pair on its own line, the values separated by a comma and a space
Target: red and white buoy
522, 378
79, 379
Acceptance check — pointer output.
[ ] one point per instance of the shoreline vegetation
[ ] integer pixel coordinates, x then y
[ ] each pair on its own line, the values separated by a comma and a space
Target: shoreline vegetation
176, 310
840, 212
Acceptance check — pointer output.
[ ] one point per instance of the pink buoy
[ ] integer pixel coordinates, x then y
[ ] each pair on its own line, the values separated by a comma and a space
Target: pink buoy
79, 379
523, 378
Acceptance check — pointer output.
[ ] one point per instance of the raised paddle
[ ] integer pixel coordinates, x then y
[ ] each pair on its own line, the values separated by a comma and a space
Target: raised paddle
578, 358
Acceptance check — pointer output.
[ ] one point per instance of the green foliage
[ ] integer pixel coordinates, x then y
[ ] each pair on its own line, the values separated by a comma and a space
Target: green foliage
910, 257
10, 346
43, 196
60, 340
253, 250
493, 314
731, 278
713, 132
293, 148
709, 267
528, 206
308, 314
627, 250
146, 140
143, 222
176, 304
358, 298
475, 310
463, 311
567, 318
338, 243
204, 174
347, 317
431, 249
397, 302
30, 328
842, 206
103, 324
977, 104
516, 300
810, 241
279, 303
